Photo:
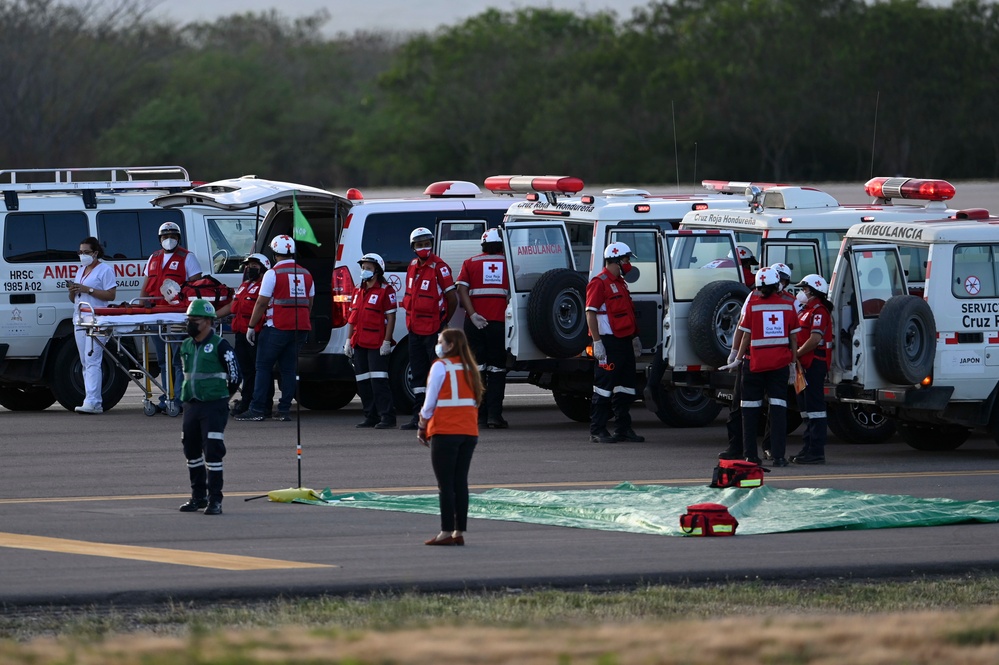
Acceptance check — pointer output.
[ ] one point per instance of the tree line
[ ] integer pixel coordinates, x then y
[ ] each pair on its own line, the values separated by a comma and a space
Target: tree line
792, 90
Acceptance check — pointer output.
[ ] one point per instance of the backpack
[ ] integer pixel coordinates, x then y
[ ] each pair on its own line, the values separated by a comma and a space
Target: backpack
206, 287
708, 519
737, 473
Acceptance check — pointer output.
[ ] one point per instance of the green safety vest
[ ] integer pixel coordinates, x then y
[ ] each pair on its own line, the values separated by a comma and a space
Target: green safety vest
205, 375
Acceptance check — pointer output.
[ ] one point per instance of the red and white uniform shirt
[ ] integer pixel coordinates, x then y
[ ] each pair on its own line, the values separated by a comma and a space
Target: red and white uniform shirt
243, 301
769, 322
814, 317
368, 309
609, 297
426, 285
488, 285
289, 287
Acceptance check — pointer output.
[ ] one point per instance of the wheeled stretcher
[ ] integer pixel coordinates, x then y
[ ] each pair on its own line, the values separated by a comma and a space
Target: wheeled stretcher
105, 325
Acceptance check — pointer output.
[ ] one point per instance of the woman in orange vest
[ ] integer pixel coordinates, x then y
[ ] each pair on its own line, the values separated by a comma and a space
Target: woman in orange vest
449, 420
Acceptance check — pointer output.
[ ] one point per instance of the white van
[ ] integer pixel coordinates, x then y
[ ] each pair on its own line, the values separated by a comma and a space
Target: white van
46, 214
930, 363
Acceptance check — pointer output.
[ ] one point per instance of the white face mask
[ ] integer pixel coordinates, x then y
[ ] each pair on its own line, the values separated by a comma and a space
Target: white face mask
439, 350
367, 274
86, 259
801, 297
169, 244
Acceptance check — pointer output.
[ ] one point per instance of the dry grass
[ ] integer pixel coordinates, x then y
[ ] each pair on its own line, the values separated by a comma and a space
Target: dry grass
952, 620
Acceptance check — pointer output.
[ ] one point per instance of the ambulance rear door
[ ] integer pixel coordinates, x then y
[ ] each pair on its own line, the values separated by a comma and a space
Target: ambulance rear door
534, 248
645, 281
866, 277
692, 260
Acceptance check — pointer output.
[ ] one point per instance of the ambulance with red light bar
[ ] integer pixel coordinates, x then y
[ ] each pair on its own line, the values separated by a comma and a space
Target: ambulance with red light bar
554, 239
45, 215
930, 363
802, 227
348, 227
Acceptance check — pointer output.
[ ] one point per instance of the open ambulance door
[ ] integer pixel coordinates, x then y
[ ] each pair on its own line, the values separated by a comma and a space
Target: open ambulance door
866, 277
546, 315
801, 256
703, 293
645, 281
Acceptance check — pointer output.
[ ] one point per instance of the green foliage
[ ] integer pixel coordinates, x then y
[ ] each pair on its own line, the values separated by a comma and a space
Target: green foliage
684, 89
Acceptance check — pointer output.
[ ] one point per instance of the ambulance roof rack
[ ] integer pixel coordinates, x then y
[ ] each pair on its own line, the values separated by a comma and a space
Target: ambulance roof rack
85, 181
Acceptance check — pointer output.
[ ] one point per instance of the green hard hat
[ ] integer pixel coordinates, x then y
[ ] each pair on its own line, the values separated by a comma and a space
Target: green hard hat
201, 307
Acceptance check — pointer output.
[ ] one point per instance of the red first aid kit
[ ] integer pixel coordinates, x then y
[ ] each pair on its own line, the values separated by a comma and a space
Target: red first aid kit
737, 473
708, 519
208, 288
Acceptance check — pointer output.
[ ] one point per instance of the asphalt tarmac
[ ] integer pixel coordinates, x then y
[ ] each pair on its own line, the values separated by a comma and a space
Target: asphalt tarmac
88, 510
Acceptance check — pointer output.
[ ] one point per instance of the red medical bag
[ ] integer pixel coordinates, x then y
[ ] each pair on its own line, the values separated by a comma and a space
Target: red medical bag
737, 473
708, 519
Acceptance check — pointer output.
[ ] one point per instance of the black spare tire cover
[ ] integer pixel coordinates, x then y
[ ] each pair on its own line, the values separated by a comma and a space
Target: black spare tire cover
905, 340
714, 316
556, 313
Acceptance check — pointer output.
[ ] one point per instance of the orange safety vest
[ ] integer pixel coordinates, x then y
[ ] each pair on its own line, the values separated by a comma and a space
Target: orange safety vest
291, 310
175, 269
456, 411
242, 306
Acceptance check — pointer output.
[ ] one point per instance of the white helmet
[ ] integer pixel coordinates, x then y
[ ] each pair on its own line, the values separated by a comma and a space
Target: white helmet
371, 257
283, 245
746, 254
766, 277
491, 235
259, 257
617, 250
420, 233
782, 271
815, 283
169, 227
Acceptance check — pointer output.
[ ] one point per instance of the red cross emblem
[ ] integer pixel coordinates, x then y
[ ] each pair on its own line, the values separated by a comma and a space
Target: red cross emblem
773, 318
614, 251
492, 267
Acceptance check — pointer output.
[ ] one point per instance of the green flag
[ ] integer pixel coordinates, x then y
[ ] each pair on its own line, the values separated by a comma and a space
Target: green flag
301, 229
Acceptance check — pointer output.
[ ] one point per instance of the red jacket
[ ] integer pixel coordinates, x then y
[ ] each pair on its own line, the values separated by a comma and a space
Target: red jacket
368, 309
609, 297
243, 301
769, 323
488, 285
815, 318
290, 310
157, 273
426, 285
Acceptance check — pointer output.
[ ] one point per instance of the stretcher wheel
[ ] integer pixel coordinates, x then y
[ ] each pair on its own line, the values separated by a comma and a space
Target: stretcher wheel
148, 408
172, 409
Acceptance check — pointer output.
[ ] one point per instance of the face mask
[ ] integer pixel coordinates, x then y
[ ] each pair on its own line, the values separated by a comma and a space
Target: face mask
251, 274
86, 259
439, 350
626, 268
193, 328
169, 244
801, 297
367, 274
423, 253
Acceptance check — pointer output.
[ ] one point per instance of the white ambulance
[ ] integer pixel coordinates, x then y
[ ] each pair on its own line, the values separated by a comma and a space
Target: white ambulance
347, 227
930, 363
554, 240
802, 227
46, 213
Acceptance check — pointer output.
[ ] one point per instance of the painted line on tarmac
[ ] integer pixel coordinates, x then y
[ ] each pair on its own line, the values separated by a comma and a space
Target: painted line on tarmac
152, 554
564, 484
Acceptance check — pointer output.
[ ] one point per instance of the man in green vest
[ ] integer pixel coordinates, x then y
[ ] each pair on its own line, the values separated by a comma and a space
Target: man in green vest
211, 377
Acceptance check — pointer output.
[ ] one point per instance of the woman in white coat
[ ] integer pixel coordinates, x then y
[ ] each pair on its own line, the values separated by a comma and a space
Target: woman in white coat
94, 284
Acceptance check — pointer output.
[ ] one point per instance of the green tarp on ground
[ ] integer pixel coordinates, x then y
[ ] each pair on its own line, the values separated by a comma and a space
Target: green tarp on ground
656, 509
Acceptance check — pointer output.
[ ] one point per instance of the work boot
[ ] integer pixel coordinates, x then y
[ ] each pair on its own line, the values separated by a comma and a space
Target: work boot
602, 437
628, 435
214, 508
283, 416
386, 423
367, 423
412, 425
781, 461
497, 422
730, 454
194, 505
250, 415
808, 459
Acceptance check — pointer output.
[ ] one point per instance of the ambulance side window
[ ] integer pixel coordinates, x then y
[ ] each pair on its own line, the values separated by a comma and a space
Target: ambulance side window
50, 236
975, 273
829, 242
387, 234
457, 241
646, 259
134, 234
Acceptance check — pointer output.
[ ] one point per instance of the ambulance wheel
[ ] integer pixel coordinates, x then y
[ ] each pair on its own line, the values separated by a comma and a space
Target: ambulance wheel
556, 313
905, 340
574, 406
325, 395
401, 380
858, 423
26, 398
714, 316
67, 377
678, 407
933, 438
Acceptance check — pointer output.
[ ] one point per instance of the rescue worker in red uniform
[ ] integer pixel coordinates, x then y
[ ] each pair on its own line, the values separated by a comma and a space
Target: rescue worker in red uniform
369, 342
784, 275
284, 305
814, 350
175, 263
610, 317
241, 308
770, 329
429, 302
746, 262
484, 289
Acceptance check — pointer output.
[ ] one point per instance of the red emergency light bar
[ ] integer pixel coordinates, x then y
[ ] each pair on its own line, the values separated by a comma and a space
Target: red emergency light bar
910, 188
354, 194
448, 188
521, 184
735, 187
